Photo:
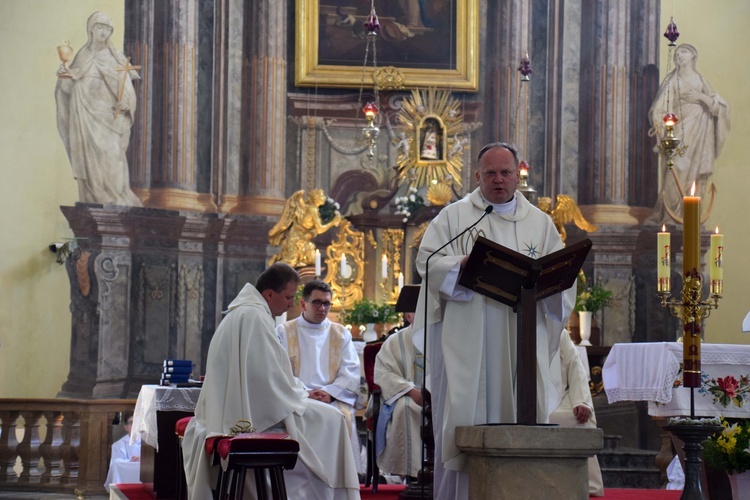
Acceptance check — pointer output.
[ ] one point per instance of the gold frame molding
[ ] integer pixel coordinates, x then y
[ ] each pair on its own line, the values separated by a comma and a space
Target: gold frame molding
309, 73
440, 108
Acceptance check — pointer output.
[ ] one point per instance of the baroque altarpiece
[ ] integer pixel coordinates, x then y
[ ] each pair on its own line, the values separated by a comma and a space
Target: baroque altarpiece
225, 135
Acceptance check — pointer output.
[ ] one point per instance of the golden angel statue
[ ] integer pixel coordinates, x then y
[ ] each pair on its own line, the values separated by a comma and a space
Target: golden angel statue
566, 210
300, 222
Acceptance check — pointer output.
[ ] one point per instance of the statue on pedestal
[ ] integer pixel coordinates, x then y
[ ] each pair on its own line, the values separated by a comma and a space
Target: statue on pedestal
96, 103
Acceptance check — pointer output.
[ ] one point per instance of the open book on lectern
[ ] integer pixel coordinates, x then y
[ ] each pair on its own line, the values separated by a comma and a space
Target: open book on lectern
500, 273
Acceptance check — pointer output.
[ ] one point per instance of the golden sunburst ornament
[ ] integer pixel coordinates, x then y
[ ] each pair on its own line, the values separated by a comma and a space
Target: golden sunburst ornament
432, 147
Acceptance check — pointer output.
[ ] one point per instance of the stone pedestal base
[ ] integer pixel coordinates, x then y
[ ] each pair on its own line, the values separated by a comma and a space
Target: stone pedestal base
518, 461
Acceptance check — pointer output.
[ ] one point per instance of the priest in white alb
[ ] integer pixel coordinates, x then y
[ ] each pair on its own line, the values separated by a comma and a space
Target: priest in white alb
249, 377
324, 357
471, 349
399, 372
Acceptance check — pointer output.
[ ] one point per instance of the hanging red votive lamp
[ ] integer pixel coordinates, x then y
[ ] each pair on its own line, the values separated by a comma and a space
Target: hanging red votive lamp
670, 120
370, 110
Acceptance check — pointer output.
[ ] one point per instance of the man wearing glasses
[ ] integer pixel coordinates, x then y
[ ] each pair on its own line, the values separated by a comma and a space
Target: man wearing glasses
323, 356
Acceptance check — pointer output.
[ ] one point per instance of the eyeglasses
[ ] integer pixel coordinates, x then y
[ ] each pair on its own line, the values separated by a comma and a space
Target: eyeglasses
317, 303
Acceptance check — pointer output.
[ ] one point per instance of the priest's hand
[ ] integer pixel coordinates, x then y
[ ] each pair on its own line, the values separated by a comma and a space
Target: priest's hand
320, 395
416, 395
582, 413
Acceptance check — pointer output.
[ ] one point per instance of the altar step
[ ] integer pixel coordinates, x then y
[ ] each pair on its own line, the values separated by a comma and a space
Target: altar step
628, 467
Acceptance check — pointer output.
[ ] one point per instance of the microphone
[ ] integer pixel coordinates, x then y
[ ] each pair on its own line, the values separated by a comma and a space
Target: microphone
486, 212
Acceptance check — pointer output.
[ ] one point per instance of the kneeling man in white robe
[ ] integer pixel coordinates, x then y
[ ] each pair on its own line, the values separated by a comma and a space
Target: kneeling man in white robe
249, 377
577, 408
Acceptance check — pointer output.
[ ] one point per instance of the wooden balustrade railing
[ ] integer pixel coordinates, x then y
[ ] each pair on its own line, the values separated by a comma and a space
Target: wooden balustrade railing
64, 446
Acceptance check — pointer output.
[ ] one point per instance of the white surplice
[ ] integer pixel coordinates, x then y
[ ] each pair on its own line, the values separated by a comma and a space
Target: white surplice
472, 339
397, 371
576, 393
323, 356
122, 468
249, 376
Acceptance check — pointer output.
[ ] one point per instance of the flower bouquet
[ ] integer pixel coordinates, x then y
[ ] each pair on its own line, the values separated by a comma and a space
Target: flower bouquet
592, 298
409, 204
729, 450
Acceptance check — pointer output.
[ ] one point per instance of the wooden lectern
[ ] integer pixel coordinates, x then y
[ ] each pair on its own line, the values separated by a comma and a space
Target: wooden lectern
516, 280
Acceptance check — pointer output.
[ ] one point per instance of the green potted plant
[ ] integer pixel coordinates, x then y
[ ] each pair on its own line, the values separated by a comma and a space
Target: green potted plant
365, 313
590, 298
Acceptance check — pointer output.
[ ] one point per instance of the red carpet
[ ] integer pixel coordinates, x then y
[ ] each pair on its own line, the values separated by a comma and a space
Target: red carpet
391, 491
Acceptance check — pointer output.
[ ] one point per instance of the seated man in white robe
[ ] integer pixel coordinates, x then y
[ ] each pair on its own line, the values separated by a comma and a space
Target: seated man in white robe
324, 358
576, 408
399, 369
125, 463
249, 377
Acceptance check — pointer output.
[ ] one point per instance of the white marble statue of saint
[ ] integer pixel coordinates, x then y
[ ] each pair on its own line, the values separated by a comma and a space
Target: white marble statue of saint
703, 126
95, 107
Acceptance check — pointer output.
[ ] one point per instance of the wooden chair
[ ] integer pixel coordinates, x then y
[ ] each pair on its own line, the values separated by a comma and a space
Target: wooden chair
372, 473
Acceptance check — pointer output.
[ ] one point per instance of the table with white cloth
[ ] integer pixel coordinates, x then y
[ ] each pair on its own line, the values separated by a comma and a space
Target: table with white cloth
157, 410
652, 372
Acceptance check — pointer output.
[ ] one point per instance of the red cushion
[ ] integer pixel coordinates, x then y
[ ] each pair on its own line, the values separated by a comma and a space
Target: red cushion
259, 441
181, 425
369, 355
211, 443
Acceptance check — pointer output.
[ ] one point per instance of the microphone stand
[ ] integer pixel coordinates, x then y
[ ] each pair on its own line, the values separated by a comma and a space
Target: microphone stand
486, 212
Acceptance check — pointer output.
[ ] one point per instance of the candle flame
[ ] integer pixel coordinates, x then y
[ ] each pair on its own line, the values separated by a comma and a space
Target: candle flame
692, 189
663, 228
717, 230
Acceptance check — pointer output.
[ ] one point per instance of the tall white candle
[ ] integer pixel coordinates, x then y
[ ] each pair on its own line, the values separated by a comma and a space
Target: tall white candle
716, 263
317, 262
384, 267
663, 256
343, 265
400, 281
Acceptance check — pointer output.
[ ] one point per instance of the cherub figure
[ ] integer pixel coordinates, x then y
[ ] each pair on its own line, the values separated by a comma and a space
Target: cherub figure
402, 144
566, 210
458, 146
300, 222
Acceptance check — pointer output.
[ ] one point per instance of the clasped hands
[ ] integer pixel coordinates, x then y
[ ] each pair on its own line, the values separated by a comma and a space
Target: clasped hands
320, 395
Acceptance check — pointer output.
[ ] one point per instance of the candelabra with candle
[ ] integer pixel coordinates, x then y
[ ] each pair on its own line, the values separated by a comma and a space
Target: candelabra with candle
691, 309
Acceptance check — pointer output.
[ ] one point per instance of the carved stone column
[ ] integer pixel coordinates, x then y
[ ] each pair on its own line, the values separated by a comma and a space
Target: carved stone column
253, 98
619, 42
170, 39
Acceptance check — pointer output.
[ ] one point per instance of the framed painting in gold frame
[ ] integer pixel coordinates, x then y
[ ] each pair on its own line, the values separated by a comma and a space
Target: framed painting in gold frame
434, 43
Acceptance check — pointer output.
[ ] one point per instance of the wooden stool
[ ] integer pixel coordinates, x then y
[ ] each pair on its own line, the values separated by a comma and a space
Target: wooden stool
259, 451
179, 430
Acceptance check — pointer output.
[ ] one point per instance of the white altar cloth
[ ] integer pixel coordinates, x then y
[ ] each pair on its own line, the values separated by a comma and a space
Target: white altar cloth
153, 398
652, 372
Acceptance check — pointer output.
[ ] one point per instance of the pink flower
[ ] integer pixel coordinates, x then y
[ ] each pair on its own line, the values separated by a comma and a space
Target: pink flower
729, 385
